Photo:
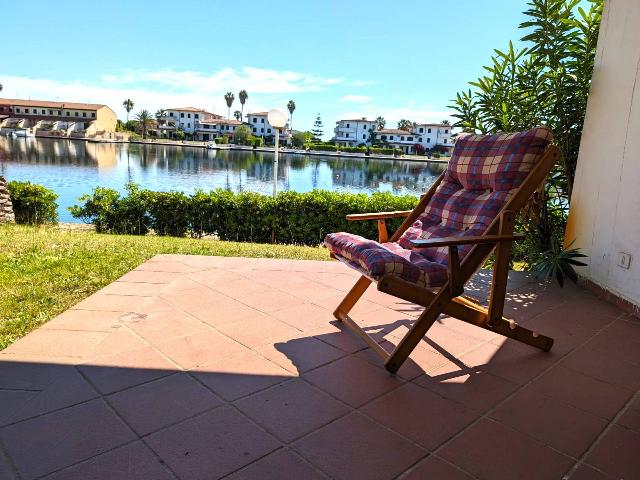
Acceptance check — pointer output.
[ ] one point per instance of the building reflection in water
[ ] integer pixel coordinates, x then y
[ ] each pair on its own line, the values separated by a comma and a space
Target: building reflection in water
72, 168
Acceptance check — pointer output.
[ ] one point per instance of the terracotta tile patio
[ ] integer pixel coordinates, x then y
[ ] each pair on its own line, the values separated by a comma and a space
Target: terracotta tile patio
202, 367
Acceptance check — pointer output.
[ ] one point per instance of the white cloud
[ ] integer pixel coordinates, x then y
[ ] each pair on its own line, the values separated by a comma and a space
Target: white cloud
172, 88
356, 98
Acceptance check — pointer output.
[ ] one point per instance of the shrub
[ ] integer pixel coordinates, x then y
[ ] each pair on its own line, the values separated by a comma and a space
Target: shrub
258, 141
291, 217
223, 140
323, 147
435, 155
32, 203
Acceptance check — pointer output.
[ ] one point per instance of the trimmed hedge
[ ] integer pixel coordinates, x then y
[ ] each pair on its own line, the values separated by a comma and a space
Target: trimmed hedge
291, 217
33, 204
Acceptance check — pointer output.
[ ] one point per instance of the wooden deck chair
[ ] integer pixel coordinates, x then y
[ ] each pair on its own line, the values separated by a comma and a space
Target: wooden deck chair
467, 214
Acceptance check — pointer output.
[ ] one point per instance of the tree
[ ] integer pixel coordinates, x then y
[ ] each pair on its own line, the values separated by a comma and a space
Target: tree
300, 139
291, 106
242, 135
405, 125
380, 123
0, 87
128, 106
545, 83
145, 121
317, 129
229, 98
445, 122
237, 115
159, 114
243, 95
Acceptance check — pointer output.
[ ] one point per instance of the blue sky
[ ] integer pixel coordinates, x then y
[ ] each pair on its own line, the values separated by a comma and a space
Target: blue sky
338, 58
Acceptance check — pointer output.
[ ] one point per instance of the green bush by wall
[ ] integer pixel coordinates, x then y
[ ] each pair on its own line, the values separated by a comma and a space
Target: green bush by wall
32, 203
291, 217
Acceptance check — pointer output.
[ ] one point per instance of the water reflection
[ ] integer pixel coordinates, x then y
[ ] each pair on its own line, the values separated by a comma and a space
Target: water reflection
72, 168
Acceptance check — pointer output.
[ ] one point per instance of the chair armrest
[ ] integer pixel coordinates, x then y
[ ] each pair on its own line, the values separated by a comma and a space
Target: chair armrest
378, 215
450, 241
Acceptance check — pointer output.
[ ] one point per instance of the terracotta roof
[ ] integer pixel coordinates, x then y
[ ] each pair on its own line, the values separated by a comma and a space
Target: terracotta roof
261, 114
45, 103
393, 131
193, 109
356, 120
223, 121
432, 125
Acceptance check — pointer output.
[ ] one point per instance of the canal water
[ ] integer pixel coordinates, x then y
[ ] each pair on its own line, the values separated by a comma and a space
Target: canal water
73, 167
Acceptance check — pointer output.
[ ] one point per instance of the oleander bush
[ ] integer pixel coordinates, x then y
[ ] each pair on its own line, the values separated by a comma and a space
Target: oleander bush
33, 204
289, 218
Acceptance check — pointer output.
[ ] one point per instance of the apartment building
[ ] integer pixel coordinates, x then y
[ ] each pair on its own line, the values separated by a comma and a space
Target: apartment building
215, 127
187, 119
48, 118
430, 136
260, 127
354, 132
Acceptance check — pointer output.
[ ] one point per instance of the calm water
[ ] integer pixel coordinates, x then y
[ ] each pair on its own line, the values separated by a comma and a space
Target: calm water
72, 168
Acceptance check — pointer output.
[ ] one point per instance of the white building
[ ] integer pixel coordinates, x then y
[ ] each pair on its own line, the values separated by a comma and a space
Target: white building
353, 132
216, 127
186, 118
260, 127
430, 136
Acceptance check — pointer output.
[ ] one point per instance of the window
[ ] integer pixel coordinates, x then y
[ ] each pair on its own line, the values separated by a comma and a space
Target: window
262, 130
384, 137
196, 116
84, 114
421, 130
59, 112
364, 137
171, 114
346, 135
188, 115
268, 130
446, 131
254, 129
255, 120
420, 139
428, 130
181, 115
17, 110
50, 112
390, 137
68, 114
347, 125
445, 140
77, 114
93, 114
189, 125
428, 140
44, 112
410, 139
262, 120
402, 139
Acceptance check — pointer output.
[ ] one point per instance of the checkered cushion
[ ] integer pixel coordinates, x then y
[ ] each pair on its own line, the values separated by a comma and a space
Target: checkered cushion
481, 176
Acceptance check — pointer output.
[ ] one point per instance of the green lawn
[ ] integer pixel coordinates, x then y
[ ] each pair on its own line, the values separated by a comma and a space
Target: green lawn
45, 270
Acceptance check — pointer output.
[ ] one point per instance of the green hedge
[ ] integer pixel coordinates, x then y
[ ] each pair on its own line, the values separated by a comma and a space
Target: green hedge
291, 217
322, 147
33, 204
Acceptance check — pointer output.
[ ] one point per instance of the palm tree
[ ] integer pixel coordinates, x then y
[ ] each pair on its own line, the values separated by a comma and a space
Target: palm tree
291, 106
159, 114
145, 120
128, 106
243, 95
238, 115
0, 87
380, 123
446, 122
229, 98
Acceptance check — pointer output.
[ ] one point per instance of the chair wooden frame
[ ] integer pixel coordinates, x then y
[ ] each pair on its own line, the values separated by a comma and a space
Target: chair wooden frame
447, 299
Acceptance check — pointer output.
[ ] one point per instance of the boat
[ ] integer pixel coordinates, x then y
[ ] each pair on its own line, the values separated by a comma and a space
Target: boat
212, 146
22, 133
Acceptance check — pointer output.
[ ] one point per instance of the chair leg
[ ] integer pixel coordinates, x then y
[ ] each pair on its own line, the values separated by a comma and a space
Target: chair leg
352, 297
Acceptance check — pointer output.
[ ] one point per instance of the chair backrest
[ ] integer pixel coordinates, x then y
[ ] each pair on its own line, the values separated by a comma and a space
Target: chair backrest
482, 175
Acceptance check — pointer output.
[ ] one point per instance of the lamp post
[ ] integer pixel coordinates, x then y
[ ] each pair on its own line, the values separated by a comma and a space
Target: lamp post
277, 120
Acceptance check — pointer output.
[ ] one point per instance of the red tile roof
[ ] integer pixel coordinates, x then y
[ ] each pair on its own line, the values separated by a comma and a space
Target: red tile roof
394, 131
45, 103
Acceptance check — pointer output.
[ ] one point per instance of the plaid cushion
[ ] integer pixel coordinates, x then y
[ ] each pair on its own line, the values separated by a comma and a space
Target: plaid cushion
375, 260
481, 176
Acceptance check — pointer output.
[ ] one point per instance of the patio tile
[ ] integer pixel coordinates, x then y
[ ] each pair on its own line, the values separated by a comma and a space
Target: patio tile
280, 465
603, 366
37, 447
416, 413
200, 349
476, 389
523, 458
85, 321
551, 421
241, 288
163, 322
211, 445
311, 291
142, 276
131, 462
436, 469
292, 409
123, 370
301, 354
617, 453
353, 380
338, 335
58, 343
631, 417
30, 389
582, 391
162, 402
585, 472
239, 376
6, 469
162, 265
422, 359
271, 300
111, 303
621, 340
259, 330
216, 309
137, 289
361, 309
306, 317
356, 447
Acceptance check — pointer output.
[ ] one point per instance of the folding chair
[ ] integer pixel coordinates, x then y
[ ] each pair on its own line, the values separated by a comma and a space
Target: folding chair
467, 214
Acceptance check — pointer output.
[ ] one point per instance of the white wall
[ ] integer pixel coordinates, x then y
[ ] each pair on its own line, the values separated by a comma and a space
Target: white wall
605, 206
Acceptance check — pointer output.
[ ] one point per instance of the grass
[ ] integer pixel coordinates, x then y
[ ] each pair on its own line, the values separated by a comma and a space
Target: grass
46, 270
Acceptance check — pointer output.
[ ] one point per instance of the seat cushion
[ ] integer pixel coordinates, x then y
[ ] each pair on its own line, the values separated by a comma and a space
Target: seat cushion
375, 260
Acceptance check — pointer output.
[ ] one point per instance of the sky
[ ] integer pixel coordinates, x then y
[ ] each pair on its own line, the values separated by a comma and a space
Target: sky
339, 59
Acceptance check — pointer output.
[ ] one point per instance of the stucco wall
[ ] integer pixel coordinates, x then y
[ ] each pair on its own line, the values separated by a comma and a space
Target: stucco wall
605, 207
